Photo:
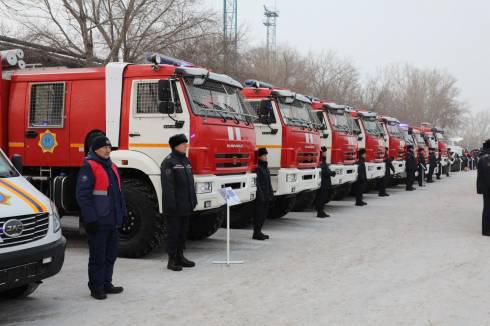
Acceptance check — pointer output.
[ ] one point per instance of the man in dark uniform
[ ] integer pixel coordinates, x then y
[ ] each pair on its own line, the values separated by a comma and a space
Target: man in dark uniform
385, 181
432, 165
422, 167
179, 200
450, 161
265, 195
483, 186
323, 193
360, 184
410, 167
102, 208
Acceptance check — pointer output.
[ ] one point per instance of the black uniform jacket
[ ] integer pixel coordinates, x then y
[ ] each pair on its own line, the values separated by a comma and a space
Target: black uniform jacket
264, 185
483, 178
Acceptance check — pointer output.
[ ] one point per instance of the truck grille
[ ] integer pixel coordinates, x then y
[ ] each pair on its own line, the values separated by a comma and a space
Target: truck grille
379, 155
231, 160
35, 228
307, 158
349, 156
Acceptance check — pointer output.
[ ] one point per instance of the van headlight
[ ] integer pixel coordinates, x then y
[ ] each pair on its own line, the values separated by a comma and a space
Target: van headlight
204, 187
291, 177
254, 182
56, 217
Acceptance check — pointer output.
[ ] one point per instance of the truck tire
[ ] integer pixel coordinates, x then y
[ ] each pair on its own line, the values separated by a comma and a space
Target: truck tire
20, 292
281, 206
204, 224
304, 201
143, 229
240, 216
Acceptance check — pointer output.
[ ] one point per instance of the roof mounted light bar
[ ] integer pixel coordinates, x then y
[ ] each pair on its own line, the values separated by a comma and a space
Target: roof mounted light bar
257, 84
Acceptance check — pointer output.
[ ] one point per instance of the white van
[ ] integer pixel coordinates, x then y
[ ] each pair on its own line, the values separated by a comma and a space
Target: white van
31, 245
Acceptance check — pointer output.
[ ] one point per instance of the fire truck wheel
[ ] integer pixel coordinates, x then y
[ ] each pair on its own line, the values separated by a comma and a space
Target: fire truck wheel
143, 228
205, 224
240, 216
281, 206
20, 292
304, 201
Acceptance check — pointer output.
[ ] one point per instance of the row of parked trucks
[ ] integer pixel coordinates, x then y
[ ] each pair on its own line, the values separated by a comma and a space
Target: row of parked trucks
48, 117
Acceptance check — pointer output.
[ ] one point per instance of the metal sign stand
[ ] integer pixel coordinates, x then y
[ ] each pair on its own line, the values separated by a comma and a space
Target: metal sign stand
228, 262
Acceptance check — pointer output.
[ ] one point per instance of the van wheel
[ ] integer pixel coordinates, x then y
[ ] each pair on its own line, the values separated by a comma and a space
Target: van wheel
143, 229
240, 216
20, 292
304, 201
281, 206
204, 224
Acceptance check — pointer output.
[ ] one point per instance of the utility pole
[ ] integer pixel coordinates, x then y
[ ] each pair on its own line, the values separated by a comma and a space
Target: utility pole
270, 22
230, 34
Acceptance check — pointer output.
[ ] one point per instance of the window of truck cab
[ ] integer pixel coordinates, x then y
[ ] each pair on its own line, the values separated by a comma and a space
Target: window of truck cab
296, 113
145, 98
218, 100
339, 120
264, 110
6, 168
47, 105
372, 126
393, 130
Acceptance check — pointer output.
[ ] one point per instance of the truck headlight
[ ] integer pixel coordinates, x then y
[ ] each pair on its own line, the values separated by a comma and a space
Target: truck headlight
56, 217
370, 168
204, 187
254, 182
291, 177
338, 172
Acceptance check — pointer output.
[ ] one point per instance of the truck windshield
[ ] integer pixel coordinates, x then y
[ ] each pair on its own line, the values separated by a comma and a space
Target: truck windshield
439, 136
407, 137
419, 138
339, 121
6, 169
372, 126
296, 113
393, 130
215, 99
432, 141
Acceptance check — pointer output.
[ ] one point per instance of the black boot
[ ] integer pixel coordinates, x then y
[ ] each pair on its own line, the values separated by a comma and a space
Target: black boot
260, 236
321, 214
184, 262
113, 289
173, 263
98, 294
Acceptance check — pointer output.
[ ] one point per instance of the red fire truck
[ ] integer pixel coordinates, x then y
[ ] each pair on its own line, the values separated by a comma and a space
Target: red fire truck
52, 114
419, 143
443, 148
367, 126
290, 132
395, 142
341, 143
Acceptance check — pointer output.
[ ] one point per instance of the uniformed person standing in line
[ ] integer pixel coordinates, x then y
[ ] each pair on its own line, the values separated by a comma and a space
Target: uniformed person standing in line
102, 208
450, 161
422, 167
323, 193
410, 167
360, 184
432, 165
179, 200
264, 196
483, 186
385, 181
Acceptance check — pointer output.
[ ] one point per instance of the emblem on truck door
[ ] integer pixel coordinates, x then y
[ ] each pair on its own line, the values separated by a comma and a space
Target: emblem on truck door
4, 199
47, 141
13, 228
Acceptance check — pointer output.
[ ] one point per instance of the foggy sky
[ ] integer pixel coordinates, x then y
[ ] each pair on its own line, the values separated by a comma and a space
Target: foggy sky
444, 34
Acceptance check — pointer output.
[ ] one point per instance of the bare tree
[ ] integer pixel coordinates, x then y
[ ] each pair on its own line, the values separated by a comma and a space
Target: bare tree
112, 29
476, 128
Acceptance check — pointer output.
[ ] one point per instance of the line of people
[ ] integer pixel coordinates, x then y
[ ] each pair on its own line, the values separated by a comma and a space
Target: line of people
413, 167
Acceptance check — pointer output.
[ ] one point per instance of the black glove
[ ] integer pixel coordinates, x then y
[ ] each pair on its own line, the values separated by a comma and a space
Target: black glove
92, 228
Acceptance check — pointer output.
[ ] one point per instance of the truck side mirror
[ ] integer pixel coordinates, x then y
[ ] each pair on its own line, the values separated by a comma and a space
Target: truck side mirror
166, 103
359, 137
325, 133
17, 162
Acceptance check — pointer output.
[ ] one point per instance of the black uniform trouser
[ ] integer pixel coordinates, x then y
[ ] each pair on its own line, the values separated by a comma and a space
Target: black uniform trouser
448, 168
261, 212
439, 170
177, 227
486, 215
102, 256
383, 183
410, 178
421, 176
359, 187
431, 173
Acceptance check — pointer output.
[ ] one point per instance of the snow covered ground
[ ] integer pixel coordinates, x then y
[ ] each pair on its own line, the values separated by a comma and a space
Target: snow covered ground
415, 258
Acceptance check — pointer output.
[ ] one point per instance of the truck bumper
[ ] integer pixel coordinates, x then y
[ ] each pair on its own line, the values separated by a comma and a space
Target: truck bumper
308, 179
399, 168
345, 174
243, 184
375, 170
26, 266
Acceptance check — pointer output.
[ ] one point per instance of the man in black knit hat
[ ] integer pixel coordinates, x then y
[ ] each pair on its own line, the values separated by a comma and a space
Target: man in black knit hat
411, 167
361, 182
323, 193
179, 200
264, 196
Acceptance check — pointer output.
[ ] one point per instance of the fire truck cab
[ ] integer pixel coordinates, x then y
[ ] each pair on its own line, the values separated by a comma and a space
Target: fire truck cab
371, 139
396, 143
341, 143
54, 113
290, 132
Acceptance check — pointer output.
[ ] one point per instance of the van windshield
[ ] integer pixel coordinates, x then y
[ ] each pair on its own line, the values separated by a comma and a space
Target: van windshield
215, 99
6, 169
